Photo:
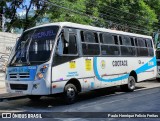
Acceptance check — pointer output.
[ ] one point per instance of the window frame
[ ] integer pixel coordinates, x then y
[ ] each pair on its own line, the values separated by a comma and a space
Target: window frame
124, 45
73, 33
89, 43
101, 44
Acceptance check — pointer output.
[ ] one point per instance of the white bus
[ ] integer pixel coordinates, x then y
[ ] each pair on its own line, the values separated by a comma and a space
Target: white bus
68, 58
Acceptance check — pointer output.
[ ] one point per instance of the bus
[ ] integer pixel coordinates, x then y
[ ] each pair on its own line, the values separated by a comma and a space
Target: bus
68, 58
158, 61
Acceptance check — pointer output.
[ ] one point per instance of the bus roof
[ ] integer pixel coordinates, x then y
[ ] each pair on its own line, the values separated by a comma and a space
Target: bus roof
88, 27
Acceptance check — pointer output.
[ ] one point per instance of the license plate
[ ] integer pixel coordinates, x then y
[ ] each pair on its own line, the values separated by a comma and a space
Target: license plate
19, 92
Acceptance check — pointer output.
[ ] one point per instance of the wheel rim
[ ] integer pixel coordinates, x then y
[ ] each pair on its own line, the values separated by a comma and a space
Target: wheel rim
131, 83
70, 93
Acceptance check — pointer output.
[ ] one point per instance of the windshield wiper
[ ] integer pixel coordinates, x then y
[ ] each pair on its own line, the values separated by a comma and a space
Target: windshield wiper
22, 51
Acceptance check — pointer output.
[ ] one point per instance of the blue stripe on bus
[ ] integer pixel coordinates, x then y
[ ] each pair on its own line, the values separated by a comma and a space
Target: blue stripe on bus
141, 69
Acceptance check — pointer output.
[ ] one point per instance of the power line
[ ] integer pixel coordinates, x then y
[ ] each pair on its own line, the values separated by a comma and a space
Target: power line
81, 13
123, 11
97, 18
128, 13
117, 18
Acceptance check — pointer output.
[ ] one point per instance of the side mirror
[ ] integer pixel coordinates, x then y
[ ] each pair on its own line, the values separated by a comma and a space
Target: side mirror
66, 34
59, 49
17, 40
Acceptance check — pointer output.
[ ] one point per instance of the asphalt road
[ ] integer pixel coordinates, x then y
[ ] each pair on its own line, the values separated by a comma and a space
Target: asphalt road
104, 100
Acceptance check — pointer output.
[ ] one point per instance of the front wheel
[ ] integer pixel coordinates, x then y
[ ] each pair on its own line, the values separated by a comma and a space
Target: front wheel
70, 93
130, 87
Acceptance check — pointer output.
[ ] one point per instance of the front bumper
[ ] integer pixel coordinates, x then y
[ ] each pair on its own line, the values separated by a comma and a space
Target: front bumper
39, 87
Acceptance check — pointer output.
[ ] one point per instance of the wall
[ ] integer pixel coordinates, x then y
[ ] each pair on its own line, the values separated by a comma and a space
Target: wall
7, 42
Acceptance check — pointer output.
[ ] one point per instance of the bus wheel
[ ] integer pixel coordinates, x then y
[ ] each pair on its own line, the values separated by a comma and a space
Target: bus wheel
130, 86
158, 79
70, 93
34, 97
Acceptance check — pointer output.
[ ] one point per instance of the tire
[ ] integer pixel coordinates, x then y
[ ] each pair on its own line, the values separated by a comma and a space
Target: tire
130, 87
70, 93
34, 97
158, 79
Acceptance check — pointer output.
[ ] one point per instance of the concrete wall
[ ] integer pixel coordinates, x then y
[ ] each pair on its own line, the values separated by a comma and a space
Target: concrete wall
7, 42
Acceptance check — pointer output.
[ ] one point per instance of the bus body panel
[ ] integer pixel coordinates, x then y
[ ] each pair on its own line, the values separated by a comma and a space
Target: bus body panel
100, 72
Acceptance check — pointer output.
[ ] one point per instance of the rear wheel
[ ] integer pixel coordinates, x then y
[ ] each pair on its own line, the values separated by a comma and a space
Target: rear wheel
130, 86
70, 93
34, 97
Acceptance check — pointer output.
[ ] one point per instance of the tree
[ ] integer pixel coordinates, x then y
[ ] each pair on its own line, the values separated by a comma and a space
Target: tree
66, 10
128, 15
140, 16
16, 21
155, 5
136, 15
2, 5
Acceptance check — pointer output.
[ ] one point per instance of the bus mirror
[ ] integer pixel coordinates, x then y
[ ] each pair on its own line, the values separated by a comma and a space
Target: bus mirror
17, 39
66, 34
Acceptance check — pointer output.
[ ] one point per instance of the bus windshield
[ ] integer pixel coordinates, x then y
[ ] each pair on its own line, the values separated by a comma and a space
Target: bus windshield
34, 46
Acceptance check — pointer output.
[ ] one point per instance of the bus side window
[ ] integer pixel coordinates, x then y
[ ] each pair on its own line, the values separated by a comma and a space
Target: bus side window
149, 43
64, 47
136, 43
142, 49
120, 40
115, 39
90, 45
141, 42
127, 48
109, 44
150, 47
107, 38
132, 41
72, 45
126, 41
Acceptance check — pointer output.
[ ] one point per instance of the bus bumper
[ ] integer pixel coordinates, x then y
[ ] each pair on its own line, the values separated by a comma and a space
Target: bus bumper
38, 87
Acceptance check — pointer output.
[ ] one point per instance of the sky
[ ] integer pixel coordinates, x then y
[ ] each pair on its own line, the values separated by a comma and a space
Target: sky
26, 3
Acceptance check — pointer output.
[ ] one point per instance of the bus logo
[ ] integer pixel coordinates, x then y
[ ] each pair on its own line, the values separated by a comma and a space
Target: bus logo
103, 64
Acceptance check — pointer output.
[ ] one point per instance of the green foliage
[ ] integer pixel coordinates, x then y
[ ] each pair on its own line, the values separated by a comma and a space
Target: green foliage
140, 16
129, 14
14, 20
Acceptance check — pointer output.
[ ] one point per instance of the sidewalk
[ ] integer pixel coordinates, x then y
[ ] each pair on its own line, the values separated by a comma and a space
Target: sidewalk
2, 86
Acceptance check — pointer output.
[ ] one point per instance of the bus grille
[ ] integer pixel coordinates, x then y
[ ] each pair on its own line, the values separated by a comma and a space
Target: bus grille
19, 86
19, 76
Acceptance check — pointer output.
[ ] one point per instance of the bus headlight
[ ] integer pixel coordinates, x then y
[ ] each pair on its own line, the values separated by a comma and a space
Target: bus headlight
42, 72
40, 75
44, 69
